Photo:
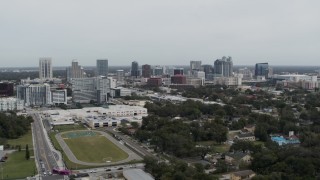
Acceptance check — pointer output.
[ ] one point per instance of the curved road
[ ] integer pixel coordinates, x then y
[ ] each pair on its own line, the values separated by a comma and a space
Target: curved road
72, 157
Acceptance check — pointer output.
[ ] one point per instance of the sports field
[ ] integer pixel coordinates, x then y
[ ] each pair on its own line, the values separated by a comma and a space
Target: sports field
92, 147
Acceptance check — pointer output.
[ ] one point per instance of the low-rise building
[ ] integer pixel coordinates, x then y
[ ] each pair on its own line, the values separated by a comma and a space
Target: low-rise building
242, 175
228, 81
97, 115
134, 174
238, 157
245, 137
154, 81
120, 92
11, 104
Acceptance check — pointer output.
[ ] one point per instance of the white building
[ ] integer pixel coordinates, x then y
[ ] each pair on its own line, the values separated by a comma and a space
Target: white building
195, 81
199, 74
11, 104
40, 81
34, 94
110, 116
295, 77
45, 68
120, 76
247, 73
228, 81
113, 82
94, 89
59, 96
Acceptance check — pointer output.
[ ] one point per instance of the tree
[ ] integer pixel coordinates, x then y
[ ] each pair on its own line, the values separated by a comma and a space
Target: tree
27, 152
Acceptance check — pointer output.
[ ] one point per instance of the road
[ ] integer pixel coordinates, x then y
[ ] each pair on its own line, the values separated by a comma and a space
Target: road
135, 146
44, 156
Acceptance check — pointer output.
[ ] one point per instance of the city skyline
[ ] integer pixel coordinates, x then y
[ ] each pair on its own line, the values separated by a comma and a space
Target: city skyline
280, 33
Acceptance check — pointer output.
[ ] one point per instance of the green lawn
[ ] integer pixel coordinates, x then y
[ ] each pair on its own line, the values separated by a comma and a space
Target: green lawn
74, 127
17, 167
25, 139
220, 148
96, 149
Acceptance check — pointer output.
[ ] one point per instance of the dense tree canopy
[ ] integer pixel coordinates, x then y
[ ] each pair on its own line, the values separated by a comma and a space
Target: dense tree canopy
13, 126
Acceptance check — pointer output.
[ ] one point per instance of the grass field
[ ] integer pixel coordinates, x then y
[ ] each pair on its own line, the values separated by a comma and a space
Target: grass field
95, 149
68, 163
17, 167
64, 128
25, 139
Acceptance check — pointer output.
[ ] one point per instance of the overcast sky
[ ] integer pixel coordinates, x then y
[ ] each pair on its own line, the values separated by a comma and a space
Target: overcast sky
281, 32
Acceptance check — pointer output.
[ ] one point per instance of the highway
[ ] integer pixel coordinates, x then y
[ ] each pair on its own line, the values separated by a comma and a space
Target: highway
44, 156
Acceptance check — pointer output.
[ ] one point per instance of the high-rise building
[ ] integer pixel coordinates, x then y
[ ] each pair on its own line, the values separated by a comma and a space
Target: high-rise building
208, 70
34, 94
75, 71
135, 69
262, 69
195, 65
45, 68
177, 71
223, 67
94, 89
146, 71
120, 75
158, 71
102, 67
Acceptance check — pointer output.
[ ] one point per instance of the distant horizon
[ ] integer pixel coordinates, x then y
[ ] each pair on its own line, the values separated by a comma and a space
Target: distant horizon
177, 65
159, 32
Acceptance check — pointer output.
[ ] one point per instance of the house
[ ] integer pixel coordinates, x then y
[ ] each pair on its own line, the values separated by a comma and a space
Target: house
250, 128
245, 137
237, 157
2, 154
246, 174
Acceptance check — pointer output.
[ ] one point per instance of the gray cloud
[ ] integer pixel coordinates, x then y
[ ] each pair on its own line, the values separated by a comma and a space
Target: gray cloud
159, 32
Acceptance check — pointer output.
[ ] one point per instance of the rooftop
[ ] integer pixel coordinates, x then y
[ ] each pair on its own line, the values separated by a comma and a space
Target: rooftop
134, 174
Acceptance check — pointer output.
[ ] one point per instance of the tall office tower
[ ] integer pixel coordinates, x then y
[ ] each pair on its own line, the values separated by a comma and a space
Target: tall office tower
45, 68
223, 67
262, 69
146, 71
94, 89
208, 70
75, 71
102, 67
120, 75
195, 66
177, 71
158, 71
34, 94
135, 69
